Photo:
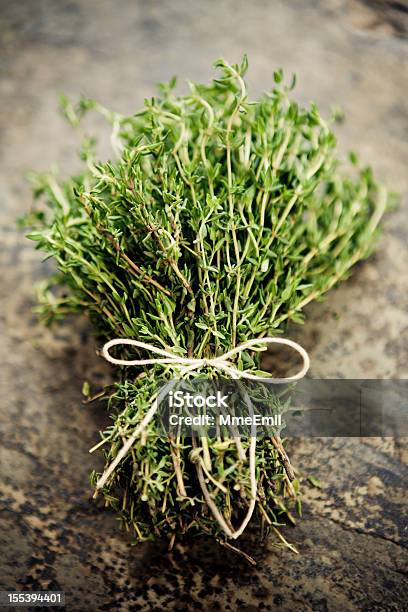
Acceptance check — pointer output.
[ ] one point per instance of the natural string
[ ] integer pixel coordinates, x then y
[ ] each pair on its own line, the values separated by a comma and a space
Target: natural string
189, 364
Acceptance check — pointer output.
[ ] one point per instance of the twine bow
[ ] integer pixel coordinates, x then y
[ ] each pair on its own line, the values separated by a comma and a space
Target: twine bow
184, 365
223, 363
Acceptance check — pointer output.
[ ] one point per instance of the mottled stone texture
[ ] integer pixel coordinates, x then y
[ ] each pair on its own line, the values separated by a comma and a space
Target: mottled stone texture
353, 536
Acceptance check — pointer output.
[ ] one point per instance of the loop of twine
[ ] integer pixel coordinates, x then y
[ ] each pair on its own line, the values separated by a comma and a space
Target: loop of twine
189, 364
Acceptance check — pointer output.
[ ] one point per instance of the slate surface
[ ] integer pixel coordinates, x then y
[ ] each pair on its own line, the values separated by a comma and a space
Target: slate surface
353, 537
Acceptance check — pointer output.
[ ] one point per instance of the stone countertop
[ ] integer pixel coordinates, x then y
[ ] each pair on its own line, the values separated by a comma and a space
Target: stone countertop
353, 536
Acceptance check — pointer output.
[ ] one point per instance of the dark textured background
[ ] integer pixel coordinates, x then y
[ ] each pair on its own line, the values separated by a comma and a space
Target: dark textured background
353, 537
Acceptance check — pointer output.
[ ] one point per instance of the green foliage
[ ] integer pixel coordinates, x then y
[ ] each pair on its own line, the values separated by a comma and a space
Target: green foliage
217, 221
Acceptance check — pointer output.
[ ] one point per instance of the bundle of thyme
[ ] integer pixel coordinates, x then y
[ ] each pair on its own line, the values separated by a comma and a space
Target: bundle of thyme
218, 220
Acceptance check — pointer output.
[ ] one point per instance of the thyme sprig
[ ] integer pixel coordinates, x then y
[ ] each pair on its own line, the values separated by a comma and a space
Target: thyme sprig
217, 220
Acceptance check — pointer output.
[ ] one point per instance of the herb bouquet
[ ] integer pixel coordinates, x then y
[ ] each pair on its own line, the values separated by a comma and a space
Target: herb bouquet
216, 222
